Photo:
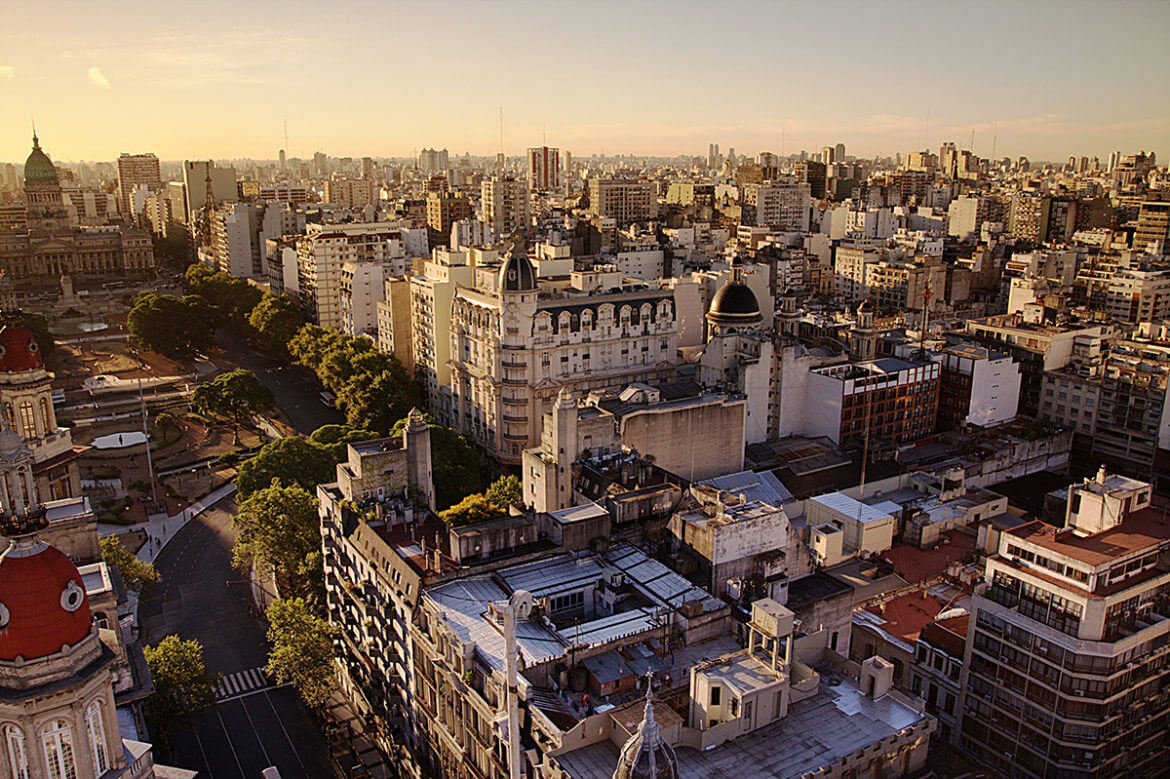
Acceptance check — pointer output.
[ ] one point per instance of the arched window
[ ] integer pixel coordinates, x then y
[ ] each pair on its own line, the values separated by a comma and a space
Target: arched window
28, 422
95, 728
45, 421
58, 743
17, 758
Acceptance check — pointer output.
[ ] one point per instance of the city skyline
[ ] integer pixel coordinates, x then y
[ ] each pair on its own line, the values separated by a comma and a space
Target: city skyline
218, 81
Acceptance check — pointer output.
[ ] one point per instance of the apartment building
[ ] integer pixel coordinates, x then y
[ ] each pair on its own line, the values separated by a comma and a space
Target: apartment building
394, 326
886, 399
1153, 227
1036, 347
352, 194
1065, 671
978, 386
136, 170
504, 205
295, 194
850, 264
544, 169
515, 341
1134, 295
323, 250
777, 205
1114, 397
623, 200
443, 210
900, 284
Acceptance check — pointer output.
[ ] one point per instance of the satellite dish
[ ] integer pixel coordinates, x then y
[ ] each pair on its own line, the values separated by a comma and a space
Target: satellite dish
521, 603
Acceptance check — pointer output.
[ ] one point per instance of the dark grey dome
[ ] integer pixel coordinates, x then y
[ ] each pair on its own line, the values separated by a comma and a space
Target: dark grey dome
865, 307
734, 304
517, 273
647, 755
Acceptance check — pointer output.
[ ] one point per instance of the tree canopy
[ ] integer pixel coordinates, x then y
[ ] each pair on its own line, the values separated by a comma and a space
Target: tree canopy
293, 460
372, 388
233, 298
182, 684
490, 504
135, 574
455, 465
276, 320
302, 649
279, 527
168, 325
236, 395
337, 437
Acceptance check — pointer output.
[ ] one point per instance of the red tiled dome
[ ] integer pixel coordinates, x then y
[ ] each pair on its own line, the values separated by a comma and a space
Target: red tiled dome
19, 350
43, 604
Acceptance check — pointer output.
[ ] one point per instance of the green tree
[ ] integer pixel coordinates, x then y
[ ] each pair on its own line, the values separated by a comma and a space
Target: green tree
165, 421
279, 527
302, 649
135, 574
233, 298
472, 509
167, 325
182, 684
292, 460
505, 491
38, 325
455, 465
311, 343
276, 320
337, 437
378, 401
237, 394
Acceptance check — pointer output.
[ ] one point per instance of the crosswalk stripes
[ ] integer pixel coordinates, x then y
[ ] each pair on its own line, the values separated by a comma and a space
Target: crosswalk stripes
240, 682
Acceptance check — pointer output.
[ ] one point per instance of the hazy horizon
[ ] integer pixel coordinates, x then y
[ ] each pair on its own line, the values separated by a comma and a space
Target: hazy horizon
200, 80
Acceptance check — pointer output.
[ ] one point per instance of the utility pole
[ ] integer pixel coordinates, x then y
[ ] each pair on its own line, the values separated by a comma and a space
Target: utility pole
146, 432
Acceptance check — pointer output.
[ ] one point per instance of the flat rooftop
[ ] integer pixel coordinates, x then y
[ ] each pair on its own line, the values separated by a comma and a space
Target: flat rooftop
763, 486
1141, 530
851, 507
818, 731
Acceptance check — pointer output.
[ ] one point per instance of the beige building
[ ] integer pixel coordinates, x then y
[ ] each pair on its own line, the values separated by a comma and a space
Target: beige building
516, 342
354, 194
503, 205
624, 201
685, 431
323, 250
135, 170
394, 330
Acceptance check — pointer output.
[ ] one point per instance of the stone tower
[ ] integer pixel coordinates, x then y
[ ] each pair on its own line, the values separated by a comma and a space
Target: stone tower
416, 438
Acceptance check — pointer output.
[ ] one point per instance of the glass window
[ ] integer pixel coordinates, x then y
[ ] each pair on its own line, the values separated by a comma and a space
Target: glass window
96, 730
28, 422
17, 759
58, 743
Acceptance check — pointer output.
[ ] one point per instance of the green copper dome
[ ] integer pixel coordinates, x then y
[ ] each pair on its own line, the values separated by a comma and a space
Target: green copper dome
38, 168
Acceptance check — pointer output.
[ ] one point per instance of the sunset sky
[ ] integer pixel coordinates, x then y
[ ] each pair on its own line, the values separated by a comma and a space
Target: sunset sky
217, 79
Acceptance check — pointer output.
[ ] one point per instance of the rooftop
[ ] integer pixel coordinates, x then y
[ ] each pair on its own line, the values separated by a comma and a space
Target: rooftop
851, 507
1141, 530
818, 731
762, 486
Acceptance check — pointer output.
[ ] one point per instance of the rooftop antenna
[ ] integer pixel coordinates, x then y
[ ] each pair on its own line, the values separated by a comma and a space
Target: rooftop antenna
994, 138
782, 129
286, 136
926, 133
502, 158
972, 140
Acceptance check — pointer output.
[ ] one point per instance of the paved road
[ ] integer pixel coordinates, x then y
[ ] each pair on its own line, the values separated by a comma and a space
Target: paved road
255, 724
297, 395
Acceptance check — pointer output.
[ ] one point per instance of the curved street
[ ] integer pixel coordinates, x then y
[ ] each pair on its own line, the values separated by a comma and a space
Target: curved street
255, 724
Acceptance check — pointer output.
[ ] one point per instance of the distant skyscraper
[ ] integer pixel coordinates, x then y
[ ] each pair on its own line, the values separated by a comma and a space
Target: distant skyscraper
839, 153
283, 160
504, 205
134, 169
1114, 159
367, 168
827, 155
433, 160
544, 169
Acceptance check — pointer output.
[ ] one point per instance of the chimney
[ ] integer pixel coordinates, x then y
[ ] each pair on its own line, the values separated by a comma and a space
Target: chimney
1101, 474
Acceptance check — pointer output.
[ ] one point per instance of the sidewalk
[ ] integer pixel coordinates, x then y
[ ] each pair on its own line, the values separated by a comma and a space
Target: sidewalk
159, 529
